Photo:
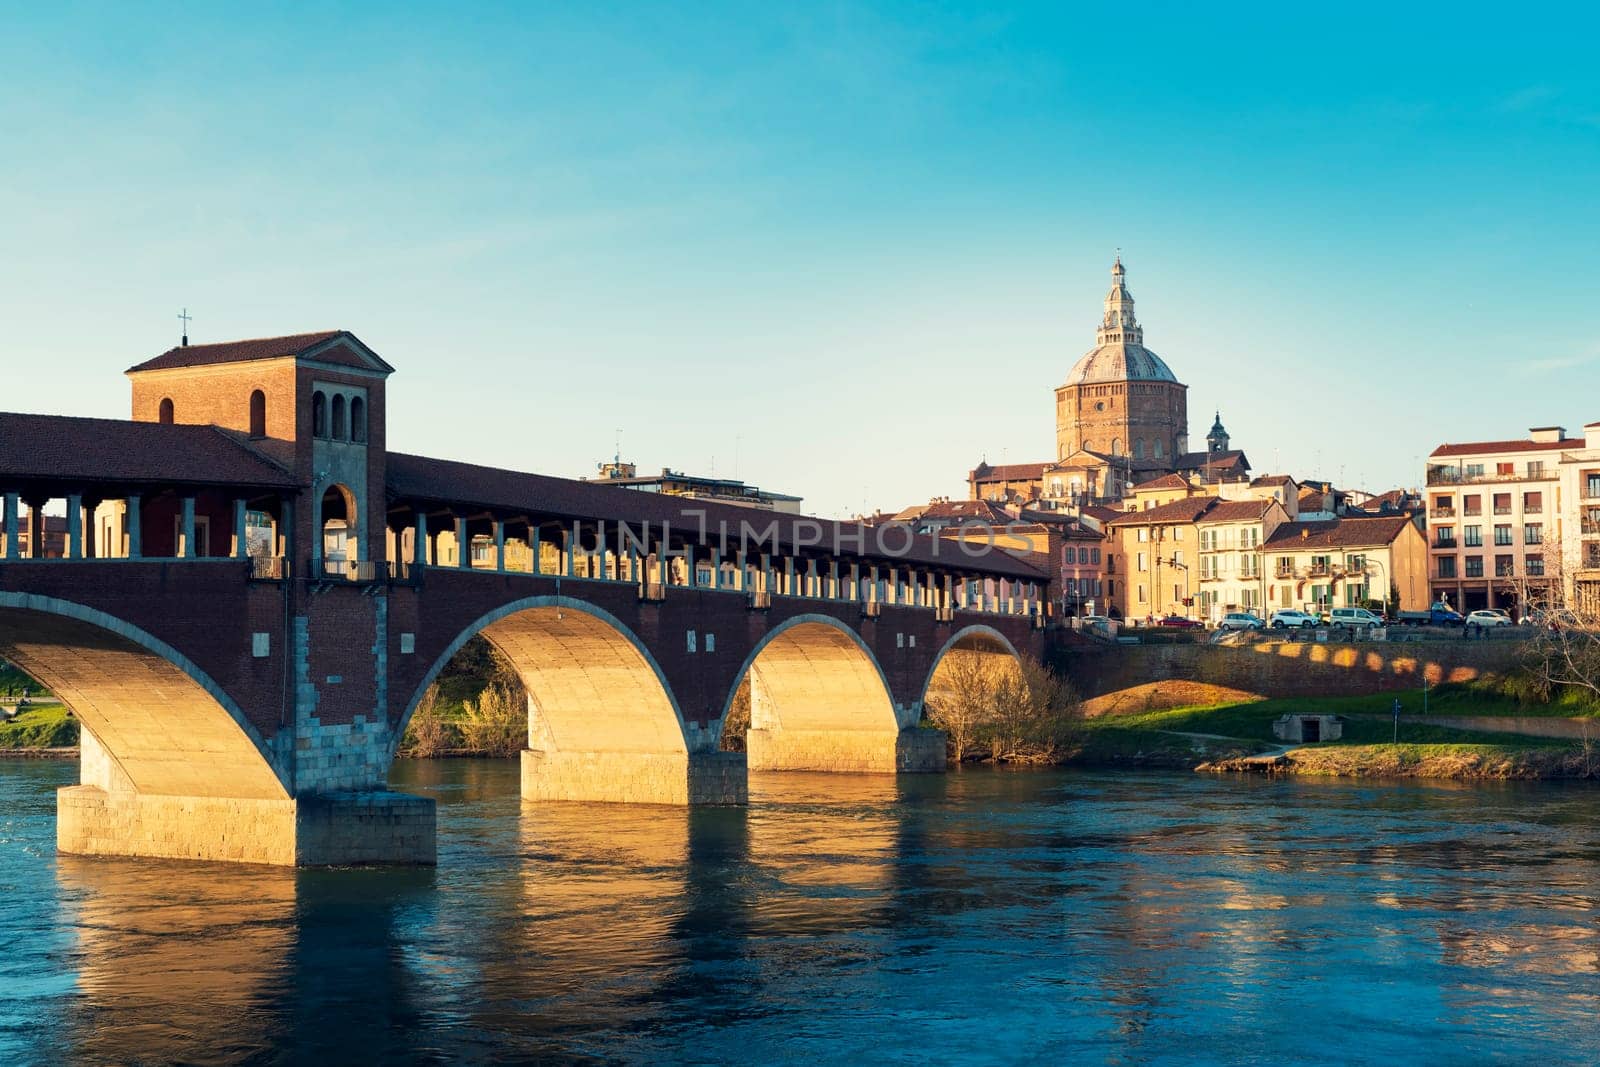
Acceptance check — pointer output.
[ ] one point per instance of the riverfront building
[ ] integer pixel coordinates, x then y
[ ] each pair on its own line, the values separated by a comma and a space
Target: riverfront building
1495, 517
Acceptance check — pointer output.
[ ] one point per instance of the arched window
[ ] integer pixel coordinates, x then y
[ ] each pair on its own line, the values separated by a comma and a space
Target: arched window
1116, 446
1158, 448
358, 419
165, 414
1138, 449
338, 416
258, 414
319, 414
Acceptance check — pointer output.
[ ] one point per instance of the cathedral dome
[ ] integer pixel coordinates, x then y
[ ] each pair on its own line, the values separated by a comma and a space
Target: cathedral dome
1119, 354
1120, 362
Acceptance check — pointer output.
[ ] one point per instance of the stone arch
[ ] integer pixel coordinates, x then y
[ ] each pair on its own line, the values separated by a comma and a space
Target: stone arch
337, 505
338, 430
319, 414
819, 700
358, 420
819, 674
980, 639
159, 724
592, 684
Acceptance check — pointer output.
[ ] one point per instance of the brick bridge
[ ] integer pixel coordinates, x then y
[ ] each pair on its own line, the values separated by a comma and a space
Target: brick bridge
251, 596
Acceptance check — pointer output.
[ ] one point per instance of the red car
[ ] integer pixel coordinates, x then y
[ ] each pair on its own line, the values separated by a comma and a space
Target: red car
1178, 622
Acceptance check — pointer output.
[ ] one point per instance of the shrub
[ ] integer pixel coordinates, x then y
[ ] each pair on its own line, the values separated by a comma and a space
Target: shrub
495, 723
1008, 712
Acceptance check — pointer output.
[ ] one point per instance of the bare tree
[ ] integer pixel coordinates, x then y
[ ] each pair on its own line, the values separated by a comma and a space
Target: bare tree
1036, 713
1013, 712
427, 735
1564, 650
961, 698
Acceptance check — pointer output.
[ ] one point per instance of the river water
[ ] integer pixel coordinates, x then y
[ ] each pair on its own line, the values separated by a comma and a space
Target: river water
992, 917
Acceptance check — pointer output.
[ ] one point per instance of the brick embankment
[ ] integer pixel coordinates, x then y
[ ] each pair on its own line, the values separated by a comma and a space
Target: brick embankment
1141, 677
38, 753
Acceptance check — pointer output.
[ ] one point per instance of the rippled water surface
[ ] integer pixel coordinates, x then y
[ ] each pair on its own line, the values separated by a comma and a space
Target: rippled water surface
997, 917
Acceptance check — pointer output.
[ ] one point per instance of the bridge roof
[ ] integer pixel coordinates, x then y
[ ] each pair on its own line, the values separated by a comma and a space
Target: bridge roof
447, 483
59, 448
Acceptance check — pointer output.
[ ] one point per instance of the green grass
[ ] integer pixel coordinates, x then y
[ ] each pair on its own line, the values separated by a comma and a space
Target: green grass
45, 727
1113, 743
13, 681
1253, 721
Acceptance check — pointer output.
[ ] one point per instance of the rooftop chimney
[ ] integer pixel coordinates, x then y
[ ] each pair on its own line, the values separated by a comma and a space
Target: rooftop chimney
1547, 435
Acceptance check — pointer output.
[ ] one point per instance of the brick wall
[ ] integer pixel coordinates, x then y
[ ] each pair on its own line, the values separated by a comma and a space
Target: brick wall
1289, 669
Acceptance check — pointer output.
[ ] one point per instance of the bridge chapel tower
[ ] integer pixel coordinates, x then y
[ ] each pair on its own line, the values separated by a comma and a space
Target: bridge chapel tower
1121, 400
312, 403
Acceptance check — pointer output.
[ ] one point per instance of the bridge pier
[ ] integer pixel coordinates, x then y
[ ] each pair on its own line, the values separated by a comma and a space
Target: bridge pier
691, 778
853, 751
107, 816
326, 830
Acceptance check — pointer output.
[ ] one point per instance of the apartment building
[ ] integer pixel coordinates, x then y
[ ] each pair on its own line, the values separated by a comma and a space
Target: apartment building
1347, 563
1579, 534
1493, 508
1231, 575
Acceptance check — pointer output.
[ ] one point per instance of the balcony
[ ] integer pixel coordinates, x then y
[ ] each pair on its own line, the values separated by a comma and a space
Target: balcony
1472, 513
1452, 476
1442, 513
1450, 545
1502, 509
268, 568
351, 570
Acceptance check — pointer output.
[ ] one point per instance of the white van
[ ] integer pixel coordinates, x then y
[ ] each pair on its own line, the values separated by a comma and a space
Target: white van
1355, 617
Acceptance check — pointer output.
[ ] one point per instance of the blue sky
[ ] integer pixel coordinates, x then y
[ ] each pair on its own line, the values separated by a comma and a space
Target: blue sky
838, 250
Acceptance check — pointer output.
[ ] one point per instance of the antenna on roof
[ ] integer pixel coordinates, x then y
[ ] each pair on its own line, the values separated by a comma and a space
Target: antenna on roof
187, 318
617, 459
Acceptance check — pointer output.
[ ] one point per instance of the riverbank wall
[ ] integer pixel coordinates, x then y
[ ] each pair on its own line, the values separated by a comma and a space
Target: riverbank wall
1115, 678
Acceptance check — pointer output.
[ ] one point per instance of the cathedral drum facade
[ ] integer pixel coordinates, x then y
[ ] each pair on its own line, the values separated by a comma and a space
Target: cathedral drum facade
1121, 402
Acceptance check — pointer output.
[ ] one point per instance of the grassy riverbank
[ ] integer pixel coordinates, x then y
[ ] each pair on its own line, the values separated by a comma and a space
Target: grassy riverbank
47, 726
1218, 736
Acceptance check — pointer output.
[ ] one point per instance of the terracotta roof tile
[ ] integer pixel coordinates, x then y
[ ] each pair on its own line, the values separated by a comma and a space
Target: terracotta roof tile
58, 449
1338, 533
1473, 448
261, 348
1238, 510
1177, 511
1009, 472
1165, 481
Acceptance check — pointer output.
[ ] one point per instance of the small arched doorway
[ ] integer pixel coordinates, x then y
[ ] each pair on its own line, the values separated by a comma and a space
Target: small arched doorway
338, 523
164, 412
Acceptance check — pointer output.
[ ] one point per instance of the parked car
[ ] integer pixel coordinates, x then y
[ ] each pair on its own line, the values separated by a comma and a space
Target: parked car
1240, 620
1483, 620
1356, 618
1289, 617
1094, 620
1178, 622
1436, 615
